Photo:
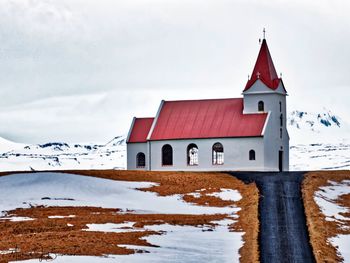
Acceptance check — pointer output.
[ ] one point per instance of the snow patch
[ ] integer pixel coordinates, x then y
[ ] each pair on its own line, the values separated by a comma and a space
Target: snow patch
26, 190
326, 199
341, 242
227, 195
177, 244
115, 228
17, 218
70, 216
9, 251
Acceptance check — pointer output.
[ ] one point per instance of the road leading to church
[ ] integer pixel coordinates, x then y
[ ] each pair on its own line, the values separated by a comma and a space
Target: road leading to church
283, 233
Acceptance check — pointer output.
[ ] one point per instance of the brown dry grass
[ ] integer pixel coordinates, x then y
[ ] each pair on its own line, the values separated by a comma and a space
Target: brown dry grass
321, 230
185, 183
55, 234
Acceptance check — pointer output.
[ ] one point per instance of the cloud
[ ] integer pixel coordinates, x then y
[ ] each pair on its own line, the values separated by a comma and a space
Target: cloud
55, 53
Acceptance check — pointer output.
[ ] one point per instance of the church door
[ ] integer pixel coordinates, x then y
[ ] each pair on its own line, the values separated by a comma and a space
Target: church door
280, 161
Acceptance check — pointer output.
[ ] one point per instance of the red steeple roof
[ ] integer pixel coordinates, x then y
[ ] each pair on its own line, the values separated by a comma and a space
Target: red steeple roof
264, 69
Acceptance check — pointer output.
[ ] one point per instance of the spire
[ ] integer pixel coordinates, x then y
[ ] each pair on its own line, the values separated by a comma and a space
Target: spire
264, 69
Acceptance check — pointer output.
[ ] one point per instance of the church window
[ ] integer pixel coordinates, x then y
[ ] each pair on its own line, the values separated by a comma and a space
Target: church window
281, 120
192, 154
261, 106
218, 153
167, 155
280, 106
252, 155
281, 133
140, 160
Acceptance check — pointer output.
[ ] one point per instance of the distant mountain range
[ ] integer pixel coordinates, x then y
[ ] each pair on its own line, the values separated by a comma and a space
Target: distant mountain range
318, 141
62, 156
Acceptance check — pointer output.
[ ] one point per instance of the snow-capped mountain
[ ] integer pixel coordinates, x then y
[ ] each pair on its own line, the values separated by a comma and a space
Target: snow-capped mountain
319, 140
321, 127
62, 156
6, 145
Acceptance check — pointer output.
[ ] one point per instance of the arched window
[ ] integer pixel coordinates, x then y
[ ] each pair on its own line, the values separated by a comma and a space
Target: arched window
167, 155
218, 153
140, 160
281, 120
281, 133
280, 106
192, 154
260, 106
251, 155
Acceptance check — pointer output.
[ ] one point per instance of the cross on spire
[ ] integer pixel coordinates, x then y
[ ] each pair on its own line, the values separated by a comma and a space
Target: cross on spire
264, 31
264, 69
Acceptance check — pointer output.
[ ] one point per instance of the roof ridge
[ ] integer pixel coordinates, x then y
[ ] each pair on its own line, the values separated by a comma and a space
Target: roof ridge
204, 99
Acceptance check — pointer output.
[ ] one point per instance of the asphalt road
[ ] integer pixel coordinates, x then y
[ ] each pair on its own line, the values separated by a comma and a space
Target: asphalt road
283, 233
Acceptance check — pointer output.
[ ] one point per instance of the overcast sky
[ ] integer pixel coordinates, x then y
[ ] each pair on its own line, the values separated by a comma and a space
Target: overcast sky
79, 70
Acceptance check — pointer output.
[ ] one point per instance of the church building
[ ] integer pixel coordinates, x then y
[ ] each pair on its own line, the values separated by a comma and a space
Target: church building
232, 134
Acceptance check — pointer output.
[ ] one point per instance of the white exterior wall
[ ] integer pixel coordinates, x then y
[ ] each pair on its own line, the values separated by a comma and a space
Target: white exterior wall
272, 141
132, 149
236, 154
272, 145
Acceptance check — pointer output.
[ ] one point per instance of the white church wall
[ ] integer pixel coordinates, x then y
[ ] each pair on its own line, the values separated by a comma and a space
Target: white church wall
132, 150
260, 87
286, 151
236, 154
272, 144
271, 102
272, 137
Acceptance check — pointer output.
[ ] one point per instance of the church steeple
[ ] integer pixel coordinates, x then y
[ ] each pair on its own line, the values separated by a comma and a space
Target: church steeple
264, 69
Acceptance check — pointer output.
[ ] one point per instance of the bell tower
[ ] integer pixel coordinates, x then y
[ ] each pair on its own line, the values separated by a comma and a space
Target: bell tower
265, 93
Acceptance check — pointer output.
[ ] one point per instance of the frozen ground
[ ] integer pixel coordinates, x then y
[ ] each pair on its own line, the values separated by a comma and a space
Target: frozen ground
176, 244
320, 156
58, 189
179, 244
326, 199
342, 242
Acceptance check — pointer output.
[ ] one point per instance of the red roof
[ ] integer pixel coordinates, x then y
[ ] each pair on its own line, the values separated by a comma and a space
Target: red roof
216, 118
140, 129
264, 69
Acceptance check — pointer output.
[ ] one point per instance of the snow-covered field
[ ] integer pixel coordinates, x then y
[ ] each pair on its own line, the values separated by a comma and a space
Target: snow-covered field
59, 189
178, 244
62, 156
319, 141
320, 156
175, 244
326, 198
